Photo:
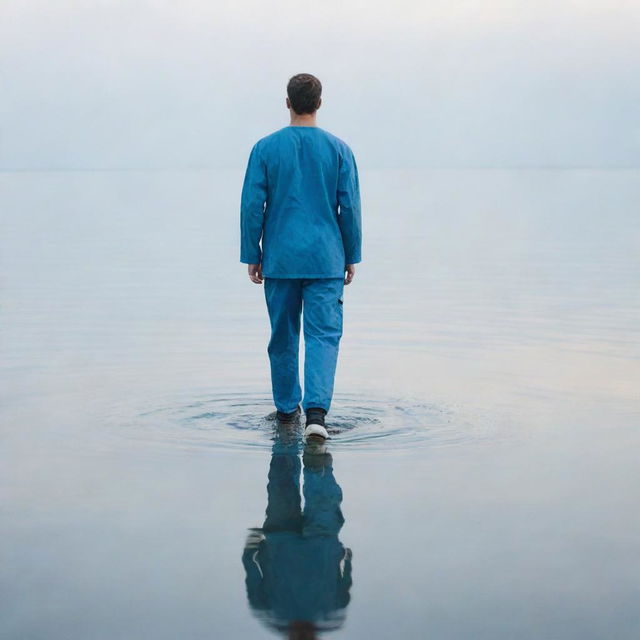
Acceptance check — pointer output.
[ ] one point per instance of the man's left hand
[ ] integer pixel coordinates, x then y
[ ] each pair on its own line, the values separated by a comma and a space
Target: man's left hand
350, 271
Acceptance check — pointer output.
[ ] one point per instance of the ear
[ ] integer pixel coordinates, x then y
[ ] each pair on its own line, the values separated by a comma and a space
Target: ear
288, 103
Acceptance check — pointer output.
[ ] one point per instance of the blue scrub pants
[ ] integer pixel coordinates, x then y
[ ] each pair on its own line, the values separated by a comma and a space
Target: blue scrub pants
321, 299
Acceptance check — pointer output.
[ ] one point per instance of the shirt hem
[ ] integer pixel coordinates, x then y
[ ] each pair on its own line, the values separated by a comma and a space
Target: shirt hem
302, 275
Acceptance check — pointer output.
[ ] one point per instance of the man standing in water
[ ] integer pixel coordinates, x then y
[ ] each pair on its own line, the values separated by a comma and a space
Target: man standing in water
301, 197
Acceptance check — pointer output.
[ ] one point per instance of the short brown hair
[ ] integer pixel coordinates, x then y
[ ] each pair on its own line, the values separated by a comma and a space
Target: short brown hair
304, 91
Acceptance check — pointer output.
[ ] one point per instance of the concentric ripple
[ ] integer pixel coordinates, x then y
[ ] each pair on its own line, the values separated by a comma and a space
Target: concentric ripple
245, 421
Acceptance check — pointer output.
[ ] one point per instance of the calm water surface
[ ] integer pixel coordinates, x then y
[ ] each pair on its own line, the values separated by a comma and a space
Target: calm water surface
482, 476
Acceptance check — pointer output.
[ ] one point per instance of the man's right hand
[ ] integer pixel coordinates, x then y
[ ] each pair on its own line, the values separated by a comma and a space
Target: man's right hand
350, 270
255, 273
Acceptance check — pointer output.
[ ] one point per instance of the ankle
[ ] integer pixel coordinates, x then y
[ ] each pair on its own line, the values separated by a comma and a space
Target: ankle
316, 409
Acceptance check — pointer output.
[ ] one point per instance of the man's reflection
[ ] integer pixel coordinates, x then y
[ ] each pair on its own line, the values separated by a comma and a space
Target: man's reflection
298, 574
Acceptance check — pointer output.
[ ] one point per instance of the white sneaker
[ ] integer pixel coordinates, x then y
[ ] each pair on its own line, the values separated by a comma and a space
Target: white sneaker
316, 431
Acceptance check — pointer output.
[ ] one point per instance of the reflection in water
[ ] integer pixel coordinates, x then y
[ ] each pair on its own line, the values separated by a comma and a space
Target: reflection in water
298, 574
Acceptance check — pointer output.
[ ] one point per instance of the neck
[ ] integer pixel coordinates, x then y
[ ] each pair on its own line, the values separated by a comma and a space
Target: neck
303, 119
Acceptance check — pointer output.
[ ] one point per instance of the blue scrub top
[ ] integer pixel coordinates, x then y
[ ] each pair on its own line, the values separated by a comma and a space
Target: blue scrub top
301, 197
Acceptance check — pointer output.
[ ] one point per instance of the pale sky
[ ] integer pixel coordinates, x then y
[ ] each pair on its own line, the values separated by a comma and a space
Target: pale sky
110, 84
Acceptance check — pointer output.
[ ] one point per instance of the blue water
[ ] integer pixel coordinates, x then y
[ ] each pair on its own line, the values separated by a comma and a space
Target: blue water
483, 456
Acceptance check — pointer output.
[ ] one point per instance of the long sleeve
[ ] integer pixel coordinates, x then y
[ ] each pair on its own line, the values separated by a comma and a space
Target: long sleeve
349, 218
252, 207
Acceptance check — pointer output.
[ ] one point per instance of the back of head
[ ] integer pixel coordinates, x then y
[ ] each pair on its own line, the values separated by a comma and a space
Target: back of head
304, 91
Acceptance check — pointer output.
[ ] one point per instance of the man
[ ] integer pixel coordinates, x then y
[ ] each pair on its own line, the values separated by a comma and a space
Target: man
301, 197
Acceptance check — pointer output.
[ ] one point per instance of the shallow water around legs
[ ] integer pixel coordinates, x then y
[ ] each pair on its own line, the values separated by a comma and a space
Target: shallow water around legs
243, 421
481, 478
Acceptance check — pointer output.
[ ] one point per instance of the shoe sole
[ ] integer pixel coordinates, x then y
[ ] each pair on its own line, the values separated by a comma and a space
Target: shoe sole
316, 432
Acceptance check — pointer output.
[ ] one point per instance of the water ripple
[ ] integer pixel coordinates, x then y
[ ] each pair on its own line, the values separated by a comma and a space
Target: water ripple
247, 421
